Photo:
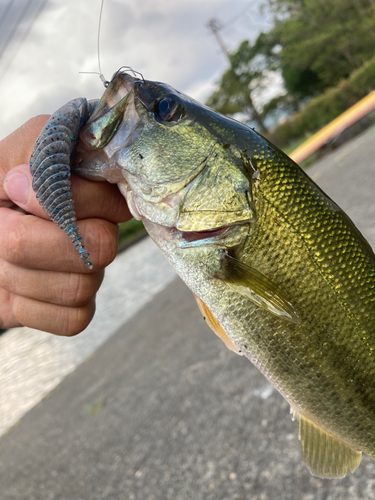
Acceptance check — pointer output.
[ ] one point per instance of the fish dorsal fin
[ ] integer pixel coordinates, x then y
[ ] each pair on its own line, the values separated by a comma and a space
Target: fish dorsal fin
215, 327
325, 455
256, 287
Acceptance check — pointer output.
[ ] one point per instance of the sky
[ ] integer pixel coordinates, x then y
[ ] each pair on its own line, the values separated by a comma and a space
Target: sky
45, 44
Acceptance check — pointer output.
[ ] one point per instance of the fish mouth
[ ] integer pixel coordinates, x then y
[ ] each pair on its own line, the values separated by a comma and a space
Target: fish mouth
121, 86
111, 127
193, 236
223, 237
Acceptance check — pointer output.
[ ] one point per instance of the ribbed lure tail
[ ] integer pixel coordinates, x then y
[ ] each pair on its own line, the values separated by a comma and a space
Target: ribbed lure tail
50, 168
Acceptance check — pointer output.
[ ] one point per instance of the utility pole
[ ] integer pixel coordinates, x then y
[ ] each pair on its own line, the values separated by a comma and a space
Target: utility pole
214, 26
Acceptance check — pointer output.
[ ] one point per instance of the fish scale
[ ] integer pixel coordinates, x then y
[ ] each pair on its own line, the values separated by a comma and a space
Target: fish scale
317, 320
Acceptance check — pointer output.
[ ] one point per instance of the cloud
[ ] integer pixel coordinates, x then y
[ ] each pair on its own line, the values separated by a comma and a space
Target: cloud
166, 40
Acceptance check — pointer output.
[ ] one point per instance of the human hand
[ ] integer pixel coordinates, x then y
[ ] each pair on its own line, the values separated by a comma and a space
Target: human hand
43, 282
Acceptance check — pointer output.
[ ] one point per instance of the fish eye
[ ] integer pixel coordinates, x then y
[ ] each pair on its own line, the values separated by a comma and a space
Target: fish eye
168, 109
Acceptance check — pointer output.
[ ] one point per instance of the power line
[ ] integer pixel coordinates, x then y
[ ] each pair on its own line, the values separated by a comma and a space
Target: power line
5, 12
241, 30
237, 16
215, 26
15, 27
26, 34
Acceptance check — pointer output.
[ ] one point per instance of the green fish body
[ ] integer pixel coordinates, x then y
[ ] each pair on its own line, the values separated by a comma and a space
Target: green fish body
279, 271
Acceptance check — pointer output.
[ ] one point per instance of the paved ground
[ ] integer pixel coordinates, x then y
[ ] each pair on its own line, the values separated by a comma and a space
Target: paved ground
163, 411
33, 363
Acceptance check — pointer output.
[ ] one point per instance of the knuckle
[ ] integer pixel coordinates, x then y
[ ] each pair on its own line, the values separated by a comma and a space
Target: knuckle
5, 275
13, 241
78, 319
105, 237
80, 289
59, 320
20, 309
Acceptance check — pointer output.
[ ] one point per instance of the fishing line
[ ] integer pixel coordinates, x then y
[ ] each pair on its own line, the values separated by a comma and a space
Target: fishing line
123, 69
101, 76
103, 79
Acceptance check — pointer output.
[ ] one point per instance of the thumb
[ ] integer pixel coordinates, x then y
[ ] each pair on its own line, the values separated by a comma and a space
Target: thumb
16, 149
18, 187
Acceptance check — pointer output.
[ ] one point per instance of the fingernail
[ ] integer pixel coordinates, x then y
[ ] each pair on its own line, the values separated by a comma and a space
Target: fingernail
17, 187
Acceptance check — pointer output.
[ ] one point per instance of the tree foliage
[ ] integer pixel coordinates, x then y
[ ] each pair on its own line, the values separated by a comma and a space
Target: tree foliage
322, 41
314, 44
325, 107
244, 75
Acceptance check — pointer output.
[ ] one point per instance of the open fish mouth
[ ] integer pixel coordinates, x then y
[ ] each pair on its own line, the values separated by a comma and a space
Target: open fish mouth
192, 238
221, 237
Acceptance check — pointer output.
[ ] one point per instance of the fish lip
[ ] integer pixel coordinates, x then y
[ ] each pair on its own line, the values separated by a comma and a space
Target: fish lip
120, 87
100, 132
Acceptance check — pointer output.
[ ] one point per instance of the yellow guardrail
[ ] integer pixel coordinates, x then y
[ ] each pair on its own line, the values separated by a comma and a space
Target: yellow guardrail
338, 125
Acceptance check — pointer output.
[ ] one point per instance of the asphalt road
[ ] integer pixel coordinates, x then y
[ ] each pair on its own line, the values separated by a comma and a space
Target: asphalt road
164, 411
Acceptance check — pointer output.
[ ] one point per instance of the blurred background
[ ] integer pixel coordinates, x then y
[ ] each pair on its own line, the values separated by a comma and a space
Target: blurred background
298, 62
45, 44
289, 68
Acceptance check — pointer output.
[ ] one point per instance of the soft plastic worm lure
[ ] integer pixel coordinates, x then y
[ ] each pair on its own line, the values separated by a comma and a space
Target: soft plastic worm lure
50, 167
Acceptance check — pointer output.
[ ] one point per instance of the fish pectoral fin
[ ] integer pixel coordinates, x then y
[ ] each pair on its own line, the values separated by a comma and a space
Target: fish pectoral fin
256, 287
215, 327
325, 455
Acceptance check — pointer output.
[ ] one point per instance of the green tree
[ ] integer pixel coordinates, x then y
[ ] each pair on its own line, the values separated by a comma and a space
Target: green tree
314, 44
322, 41
249, 66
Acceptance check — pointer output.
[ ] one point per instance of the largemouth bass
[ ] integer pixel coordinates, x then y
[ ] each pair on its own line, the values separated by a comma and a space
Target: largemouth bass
279, 271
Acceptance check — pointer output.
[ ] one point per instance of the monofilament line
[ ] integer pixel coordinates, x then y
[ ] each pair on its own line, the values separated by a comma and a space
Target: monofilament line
103, 79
